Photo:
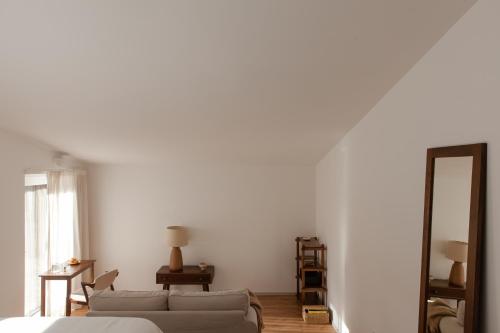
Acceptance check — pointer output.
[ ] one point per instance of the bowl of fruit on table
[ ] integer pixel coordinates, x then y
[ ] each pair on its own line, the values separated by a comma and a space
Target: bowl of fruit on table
73, 261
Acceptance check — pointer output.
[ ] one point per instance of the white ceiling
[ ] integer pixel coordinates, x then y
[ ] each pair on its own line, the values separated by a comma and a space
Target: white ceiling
254, 81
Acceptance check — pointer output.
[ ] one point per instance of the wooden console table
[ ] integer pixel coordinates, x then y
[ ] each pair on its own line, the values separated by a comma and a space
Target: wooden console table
190, 275
442, 289
71, 272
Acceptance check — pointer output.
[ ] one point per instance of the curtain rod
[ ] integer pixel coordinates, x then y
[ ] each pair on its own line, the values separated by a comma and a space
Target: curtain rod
35, 171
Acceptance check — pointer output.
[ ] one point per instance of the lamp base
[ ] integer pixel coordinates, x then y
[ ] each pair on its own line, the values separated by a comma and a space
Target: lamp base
457, 275
176, 260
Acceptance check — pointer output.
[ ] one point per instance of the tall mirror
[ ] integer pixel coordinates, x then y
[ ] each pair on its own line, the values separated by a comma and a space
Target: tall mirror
452, 240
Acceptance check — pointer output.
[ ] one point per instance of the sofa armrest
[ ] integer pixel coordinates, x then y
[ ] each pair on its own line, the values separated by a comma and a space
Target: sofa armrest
251, 318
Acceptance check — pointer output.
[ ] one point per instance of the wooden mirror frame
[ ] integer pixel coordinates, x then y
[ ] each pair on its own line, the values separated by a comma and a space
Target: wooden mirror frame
476, 225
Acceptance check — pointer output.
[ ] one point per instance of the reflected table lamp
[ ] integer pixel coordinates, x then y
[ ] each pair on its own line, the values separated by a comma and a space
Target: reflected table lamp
176, 238
457, 252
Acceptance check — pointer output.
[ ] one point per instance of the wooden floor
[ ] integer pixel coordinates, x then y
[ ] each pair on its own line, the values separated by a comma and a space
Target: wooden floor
80, 312
282, 314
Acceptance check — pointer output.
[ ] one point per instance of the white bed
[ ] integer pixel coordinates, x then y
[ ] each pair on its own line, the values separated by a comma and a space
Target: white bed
77, 325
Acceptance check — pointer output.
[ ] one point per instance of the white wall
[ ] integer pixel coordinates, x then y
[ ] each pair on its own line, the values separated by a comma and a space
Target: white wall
370, 187
243, 219
17, 155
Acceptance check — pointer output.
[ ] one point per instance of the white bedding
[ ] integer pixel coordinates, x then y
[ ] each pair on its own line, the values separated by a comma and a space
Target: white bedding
450, 325
77, 325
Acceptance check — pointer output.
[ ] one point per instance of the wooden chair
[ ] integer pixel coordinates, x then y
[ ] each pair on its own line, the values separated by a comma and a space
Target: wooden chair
102, 282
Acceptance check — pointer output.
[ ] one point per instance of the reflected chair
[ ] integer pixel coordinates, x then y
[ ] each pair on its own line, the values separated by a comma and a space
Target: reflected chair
102, 282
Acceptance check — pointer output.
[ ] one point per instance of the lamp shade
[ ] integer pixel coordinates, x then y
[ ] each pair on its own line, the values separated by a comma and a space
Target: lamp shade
177, 236
457, 251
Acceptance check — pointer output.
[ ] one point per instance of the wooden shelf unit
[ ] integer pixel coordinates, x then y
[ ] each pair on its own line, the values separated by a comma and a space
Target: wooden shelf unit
311, 269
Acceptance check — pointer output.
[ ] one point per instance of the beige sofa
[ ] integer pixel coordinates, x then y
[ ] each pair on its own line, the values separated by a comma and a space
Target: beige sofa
178, 312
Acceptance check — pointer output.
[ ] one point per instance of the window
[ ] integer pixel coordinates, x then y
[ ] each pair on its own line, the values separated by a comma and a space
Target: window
56, 229
36, 239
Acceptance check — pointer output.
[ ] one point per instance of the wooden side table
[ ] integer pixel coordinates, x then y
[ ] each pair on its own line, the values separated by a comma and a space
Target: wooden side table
190, 275
442, 289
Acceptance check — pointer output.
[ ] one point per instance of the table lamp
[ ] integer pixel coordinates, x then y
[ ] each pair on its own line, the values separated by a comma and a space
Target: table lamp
176, 237
457, 252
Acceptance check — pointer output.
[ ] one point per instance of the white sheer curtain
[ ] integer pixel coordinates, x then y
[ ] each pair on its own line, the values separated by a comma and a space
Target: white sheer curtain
68, 228
66, 234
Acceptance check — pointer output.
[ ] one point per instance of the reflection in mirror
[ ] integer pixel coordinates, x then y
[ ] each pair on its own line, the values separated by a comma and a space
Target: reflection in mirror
449, 247
450, 213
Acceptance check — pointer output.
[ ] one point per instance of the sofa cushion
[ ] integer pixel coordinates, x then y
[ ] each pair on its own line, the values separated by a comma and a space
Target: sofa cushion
107, 300
209, 301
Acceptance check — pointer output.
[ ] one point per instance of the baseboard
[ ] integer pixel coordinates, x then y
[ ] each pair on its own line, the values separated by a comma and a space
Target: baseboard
275, 294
